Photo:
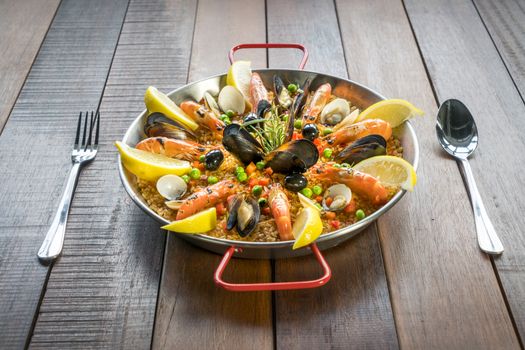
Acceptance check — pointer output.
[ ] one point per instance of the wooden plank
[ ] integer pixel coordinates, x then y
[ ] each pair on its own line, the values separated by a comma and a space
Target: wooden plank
35, 148
23, 25
482, 82
443, 289
193, 313
103, 291
505, 21
353, 309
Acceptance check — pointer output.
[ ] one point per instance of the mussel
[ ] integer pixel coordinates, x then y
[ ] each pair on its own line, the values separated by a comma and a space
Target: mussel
171, 187
281, 92
244, 214
157, 124
296, 108
365, 147
231, 99
293, 157
340, 196
310, 131
242, 144
295, 182
262, 107
335, 111
213, 159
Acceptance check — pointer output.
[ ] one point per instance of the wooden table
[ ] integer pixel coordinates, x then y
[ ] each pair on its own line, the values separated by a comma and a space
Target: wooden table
415, 279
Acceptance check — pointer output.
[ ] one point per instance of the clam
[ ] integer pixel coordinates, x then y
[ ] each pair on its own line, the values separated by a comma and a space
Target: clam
171, 187
281, 92
335, 111
341, 196
242, 144
157, 124
211, 104
293, 157
361, 149
295, 182
231, 99
348, 120
244, 214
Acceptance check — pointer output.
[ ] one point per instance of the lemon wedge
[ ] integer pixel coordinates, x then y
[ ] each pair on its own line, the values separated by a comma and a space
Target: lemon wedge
150, 166
307, 227
239, 76
307, 202
201, 222
393, 111
390, 170
157, 101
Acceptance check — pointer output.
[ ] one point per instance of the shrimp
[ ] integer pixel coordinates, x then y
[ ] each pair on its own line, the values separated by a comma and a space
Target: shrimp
205, 198
316, 105
257, 91
280, 208
204, 117
358, 130
173, 148
361, 183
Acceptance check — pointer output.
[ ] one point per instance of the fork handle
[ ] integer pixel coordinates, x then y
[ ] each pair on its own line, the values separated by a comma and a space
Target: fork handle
52, 245
488, 240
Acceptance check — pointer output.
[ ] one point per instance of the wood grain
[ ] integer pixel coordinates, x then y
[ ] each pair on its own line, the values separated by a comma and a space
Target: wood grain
443, 289
23, 25
103, 291
193, 313
484, 85
505, 21
68, 75
353, 309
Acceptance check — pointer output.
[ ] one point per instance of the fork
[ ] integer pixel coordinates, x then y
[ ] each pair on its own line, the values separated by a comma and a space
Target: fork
83, 152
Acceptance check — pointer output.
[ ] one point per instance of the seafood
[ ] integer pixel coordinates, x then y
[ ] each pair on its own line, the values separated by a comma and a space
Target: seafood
335, 111
366, 147
316, 105
258, 91
348, 120
281, 92
242, 144
360, 129
360, 183
203, 116
231, 99
171, 187
180, 149
295, 182
337, 197
211, 104
205, 198
157, 124
244, 215
280, 208
292, 157
213, 159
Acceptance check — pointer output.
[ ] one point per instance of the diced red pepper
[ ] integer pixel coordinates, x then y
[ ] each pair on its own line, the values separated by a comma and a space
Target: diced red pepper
266, 210
297, 136
330, 215
351, 207
319, 199
268, 171
250, 169
264, 181
221, 209
335, 224
253, 181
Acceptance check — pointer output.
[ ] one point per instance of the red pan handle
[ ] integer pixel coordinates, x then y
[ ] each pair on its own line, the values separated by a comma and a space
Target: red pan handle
252, 287
271, 46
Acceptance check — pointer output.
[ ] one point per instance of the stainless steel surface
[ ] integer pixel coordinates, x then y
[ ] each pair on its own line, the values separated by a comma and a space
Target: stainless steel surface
83, 152
359, 94
458, 135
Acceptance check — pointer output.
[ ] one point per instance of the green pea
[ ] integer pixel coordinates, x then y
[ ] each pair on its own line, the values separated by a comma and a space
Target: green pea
242, 177
327, 131
212, 180
260, 165
230, 113
195, 173
327, 153
239, 170
223, 116
227, 121
186, 178
307, 192
360, 214
202, 158
257, 190
317, 190
262, 202
292, 88
298, 124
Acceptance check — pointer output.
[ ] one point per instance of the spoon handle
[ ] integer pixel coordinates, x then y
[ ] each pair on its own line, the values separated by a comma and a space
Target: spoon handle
487, 238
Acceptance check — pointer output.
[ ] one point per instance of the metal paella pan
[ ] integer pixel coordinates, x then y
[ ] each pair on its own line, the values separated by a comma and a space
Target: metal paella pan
360, 95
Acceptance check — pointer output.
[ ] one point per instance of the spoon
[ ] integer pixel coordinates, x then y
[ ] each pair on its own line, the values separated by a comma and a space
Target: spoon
458, 135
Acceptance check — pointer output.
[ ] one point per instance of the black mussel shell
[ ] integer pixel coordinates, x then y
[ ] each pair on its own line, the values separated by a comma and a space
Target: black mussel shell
213, 159
232, 212
366, 147
242, 144
244, 215
251, 117
293, 157
282, 94
295, 182
262, 107
157, 124
310, 131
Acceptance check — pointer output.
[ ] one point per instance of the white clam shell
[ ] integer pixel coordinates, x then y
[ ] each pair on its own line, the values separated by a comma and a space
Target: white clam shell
171, 187
231, 99
349, 120
341, 195
335, 111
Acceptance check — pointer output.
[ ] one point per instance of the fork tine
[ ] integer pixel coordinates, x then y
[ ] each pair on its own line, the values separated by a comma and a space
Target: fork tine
91, 124
85, 127
77, 137
97, 117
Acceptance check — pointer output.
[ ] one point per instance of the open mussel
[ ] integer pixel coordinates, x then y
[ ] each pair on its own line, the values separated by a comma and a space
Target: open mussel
295, 182
262, 107
244, 214
281, 92
242, 144
293, 157
366, 147
157, 124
